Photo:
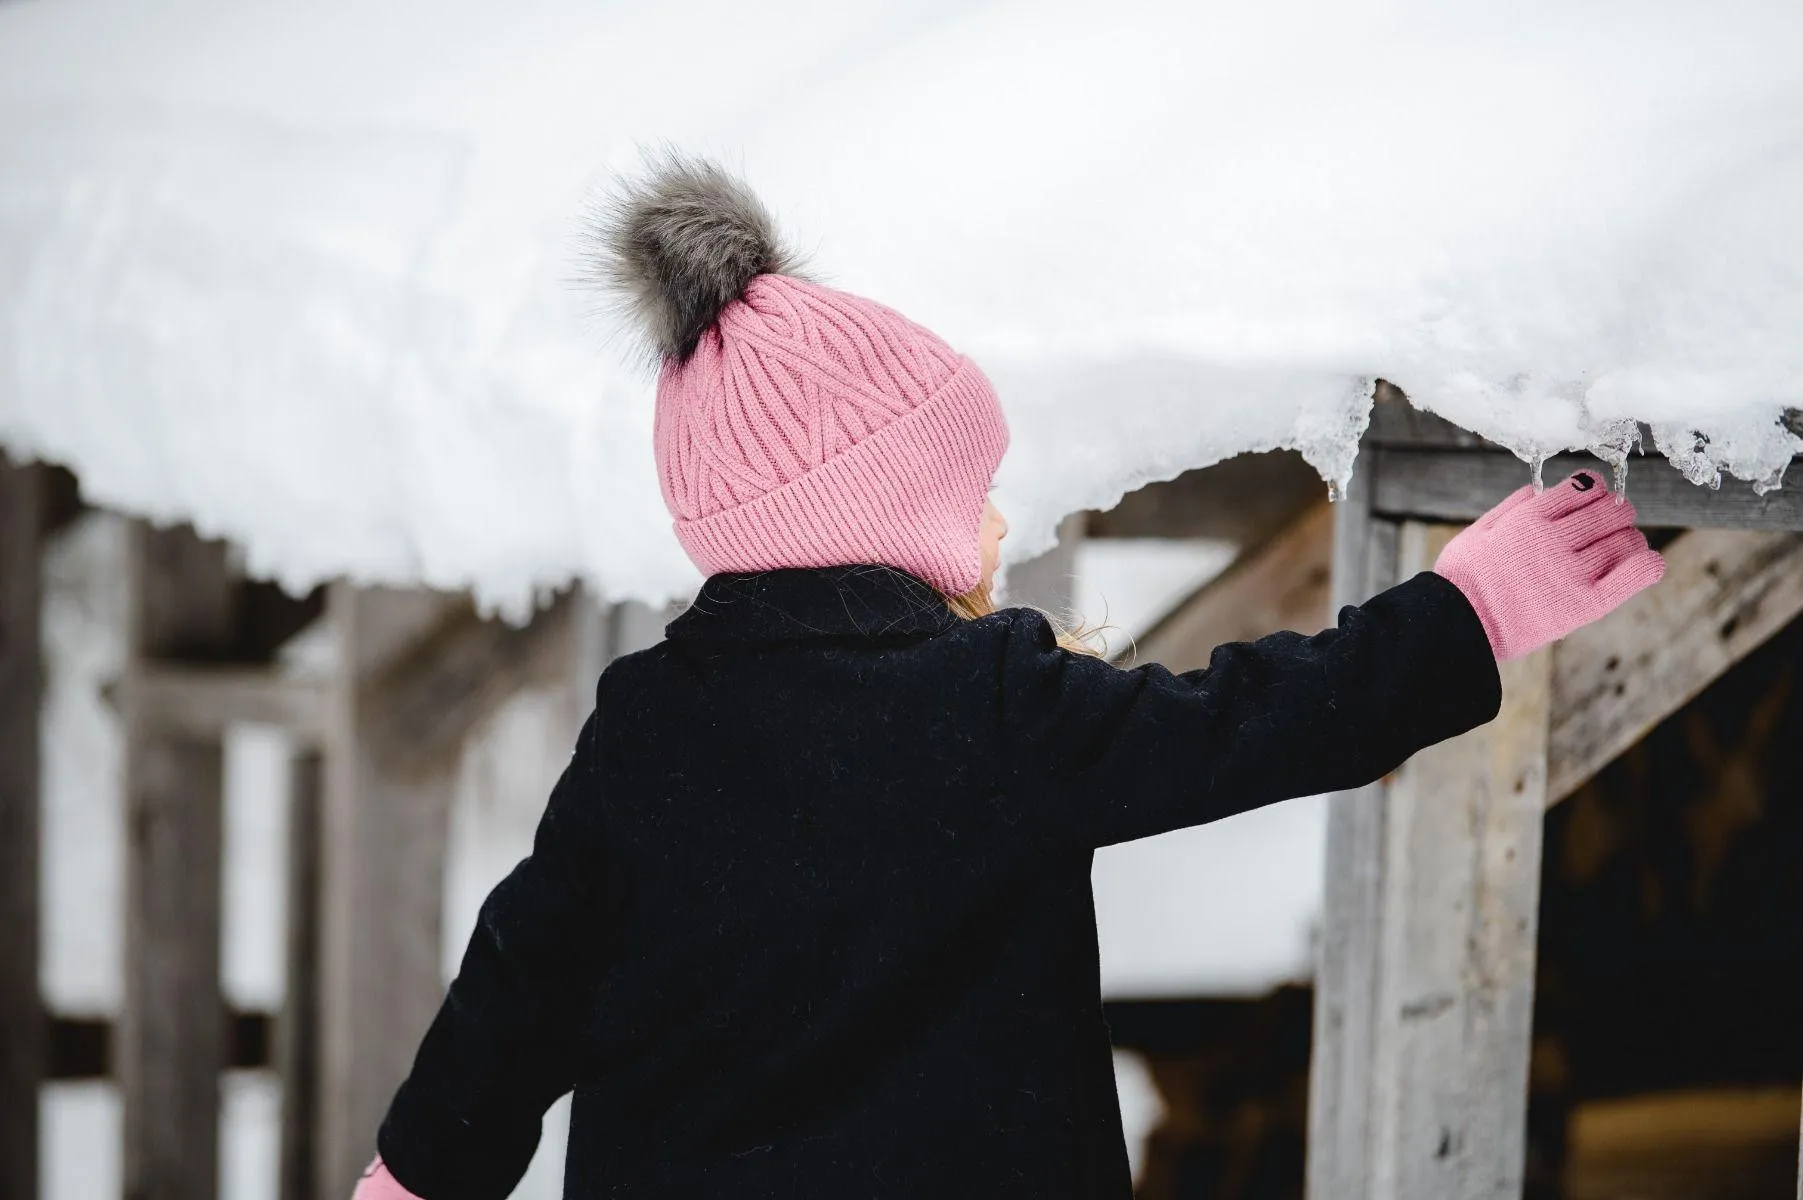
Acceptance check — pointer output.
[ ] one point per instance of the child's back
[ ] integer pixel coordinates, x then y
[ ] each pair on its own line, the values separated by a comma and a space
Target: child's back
808, 914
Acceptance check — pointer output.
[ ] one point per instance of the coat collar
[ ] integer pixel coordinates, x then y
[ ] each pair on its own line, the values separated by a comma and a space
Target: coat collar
818, 602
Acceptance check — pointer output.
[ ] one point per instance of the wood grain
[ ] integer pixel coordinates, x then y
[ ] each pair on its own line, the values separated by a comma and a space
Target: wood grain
1724, 594
22, 1023
171, 1044
384, 834
1347, 970
297, 1051
1461, 485
201, 701
1245, 500
1462, 878
1282, 584
1425, 987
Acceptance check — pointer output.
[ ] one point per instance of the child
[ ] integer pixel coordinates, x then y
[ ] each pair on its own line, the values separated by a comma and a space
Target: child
808, 914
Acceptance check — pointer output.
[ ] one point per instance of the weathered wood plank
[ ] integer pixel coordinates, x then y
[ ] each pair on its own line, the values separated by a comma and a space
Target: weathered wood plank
22, 1023
383, 844
1426, 993
297, 1034
1282, 584
1455, 485
1725, 592
171, 1043
1456, 999
442, 686
1346, 974
1245, 500
199, 702
1396, 422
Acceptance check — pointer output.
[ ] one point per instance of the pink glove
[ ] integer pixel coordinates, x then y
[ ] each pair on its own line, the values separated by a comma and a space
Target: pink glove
378, 1184
1540, 565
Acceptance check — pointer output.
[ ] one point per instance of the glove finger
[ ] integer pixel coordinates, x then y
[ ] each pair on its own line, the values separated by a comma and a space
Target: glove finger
1513, 500
1634, 574
1595, 522
1609, 551
1581, 490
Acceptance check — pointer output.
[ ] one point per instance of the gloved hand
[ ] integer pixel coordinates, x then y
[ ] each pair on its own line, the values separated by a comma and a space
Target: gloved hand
1540, 565
378, 1184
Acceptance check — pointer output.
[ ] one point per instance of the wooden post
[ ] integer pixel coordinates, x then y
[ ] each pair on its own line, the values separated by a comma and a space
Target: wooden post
1456, 997
1346, 975
1428, 971
22, 1023
297, 1048
171, 1034
382, 884
416, 673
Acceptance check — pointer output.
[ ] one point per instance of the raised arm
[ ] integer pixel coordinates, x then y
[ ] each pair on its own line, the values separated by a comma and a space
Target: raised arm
1120, 755
1117, 755
465, 1124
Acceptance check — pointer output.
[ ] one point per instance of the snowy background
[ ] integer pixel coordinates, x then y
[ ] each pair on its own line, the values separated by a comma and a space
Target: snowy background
1227, 909
303, 273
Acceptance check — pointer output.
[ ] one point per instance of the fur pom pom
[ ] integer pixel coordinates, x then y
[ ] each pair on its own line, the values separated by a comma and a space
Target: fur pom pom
678, 245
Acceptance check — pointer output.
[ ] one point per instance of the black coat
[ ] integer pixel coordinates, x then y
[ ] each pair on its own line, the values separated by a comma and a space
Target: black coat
808, 914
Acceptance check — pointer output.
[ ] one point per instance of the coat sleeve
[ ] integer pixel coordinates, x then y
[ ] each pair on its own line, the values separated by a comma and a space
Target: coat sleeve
1111, 755
465, 1124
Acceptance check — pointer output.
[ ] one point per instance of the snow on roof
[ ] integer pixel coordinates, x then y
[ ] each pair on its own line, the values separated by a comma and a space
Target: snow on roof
301, 274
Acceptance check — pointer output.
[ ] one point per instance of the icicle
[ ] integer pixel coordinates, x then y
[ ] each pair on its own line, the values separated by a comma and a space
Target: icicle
1614, 443
1538, 465
1335, 493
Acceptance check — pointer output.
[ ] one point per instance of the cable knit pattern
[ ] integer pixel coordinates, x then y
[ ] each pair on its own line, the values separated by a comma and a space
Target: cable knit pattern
1539, 565
812, 428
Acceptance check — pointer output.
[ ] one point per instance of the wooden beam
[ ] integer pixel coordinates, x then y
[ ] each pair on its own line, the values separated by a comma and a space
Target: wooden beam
1397, 422
383, 845
172, 1030
1282, 584
199, 702
297, 1034
449, 681
1724, 594
82, 1048
22, 1023
1245, 500
1427, 982
1461, 485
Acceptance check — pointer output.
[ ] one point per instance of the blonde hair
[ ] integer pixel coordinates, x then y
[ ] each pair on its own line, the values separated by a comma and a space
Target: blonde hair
1078, 638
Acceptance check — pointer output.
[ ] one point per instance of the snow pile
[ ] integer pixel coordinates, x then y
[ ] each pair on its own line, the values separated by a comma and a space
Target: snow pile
301, 274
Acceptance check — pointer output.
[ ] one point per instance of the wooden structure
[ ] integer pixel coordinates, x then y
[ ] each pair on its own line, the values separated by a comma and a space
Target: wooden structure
376, 743
1425, 982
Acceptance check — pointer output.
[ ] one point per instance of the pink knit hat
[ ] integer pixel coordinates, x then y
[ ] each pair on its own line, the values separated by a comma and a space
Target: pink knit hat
797, 426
